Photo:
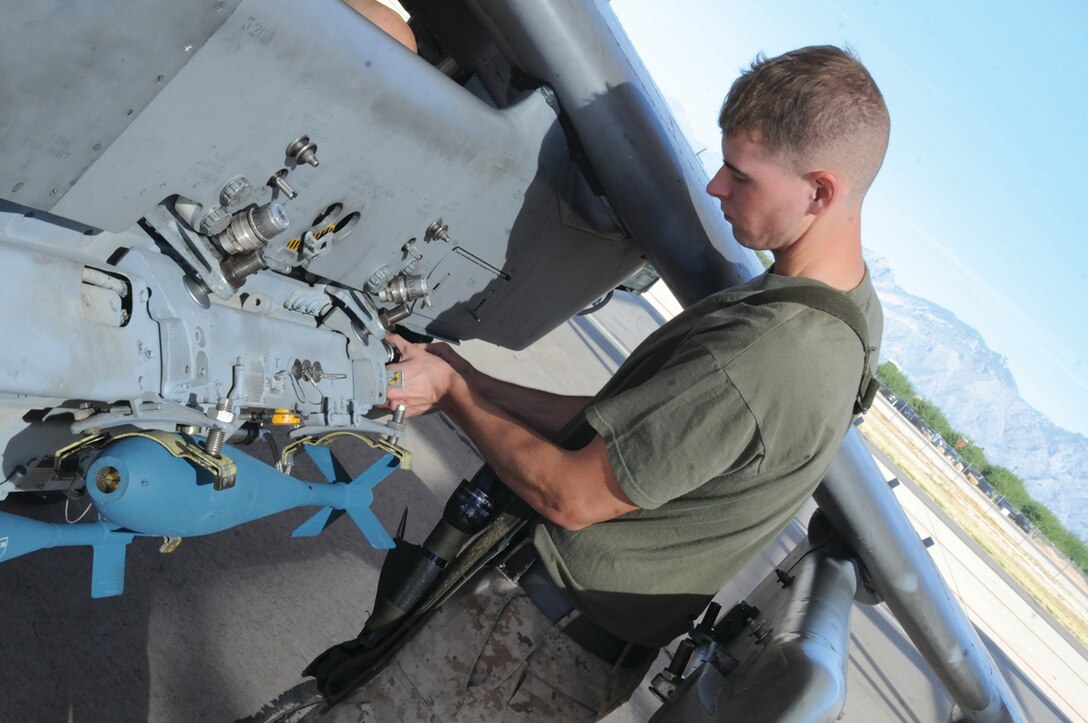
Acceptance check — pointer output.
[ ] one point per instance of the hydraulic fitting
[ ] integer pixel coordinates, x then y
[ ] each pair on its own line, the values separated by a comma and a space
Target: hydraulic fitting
253, 227
236, 269
390, 317
402, 289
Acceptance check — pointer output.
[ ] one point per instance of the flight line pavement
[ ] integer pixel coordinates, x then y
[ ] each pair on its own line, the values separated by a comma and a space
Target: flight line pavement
216, 629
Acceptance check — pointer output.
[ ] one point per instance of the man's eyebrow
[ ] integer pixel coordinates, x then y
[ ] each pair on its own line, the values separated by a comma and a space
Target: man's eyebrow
733, 168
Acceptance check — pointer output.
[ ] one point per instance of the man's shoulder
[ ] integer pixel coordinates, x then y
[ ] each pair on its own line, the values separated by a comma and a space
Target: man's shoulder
774, 304
772, 316
759, 338
785, 348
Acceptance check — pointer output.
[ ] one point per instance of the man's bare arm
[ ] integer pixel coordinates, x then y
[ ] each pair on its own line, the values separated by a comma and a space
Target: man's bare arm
573, 489
543, 412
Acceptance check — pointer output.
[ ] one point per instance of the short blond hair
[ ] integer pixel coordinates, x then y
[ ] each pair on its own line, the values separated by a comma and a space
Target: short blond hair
814, 105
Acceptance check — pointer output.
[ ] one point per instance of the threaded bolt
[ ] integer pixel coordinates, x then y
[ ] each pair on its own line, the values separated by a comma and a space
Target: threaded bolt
398, 414
303, 150
214, 445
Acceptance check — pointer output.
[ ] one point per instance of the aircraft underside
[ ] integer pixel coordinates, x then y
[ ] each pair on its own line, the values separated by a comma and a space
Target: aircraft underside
211, 213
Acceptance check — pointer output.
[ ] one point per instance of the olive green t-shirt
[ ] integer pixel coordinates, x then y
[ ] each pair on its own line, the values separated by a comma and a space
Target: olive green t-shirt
718, 427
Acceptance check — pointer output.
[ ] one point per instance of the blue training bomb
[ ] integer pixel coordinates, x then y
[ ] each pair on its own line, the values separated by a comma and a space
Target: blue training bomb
140, 489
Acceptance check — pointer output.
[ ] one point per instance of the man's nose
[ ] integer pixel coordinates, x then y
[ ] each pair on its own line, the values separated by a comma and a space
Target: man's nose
718, 186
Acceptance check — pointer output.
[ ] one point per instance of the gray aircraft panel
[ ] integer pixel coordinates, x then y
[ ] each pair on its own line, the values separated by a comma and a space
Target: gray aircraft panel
55, 123
370, 106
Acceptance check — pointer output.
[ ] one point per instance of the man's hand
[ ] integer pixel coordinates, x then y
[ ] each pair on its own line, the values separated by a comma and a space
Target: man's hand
426, 378
446, 353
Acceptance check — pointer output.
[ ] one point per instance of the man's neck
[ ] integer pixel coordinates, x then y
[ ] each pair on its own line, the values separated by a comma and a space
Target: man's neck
830, 255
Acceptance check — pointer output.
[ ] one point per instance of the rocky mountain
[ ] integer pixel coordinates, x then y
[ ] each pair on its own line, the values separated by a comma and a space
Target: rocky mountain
948, 362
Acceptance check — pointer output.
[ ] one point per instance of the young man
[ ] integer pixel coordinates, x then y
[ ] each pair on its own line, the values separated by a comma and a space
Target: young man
692, 458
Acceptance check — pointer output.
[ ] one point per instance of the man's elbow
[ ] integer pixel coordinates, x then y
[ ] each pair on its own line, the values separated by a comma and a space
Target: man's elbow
569, 523
573, 516
597, 497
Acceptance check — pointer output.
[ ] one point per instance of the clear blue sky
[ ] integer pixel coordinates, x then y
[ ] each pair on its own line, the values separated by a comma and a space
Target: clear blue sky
980, 206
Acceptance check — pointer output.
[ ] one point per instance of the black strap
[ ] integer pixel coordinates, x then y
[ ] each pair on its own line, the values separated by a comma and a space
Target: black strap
837, 304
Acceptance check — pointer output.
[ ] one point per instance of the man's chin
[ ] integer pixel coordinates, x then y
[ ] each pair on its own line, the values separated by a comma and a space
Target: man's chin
742, 238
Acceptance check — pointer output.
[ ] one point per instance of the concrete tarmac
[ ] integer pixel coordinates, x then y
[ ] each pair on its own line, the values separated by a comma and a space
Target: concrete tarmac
221, 626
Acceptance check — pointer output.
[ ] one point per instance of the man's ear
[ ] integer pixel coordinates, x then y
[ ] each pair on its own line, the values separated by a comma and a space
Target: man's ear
826, 190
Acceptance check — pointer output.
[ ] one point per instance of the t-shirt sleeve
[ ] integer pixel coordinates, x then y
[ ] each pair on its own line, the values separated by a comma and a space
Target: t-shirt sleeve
680, 428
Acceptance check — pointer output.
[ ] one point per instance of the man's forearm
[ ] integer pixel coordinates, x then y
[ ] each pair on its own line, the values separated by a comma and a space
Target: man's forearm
543, 412
571, 488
